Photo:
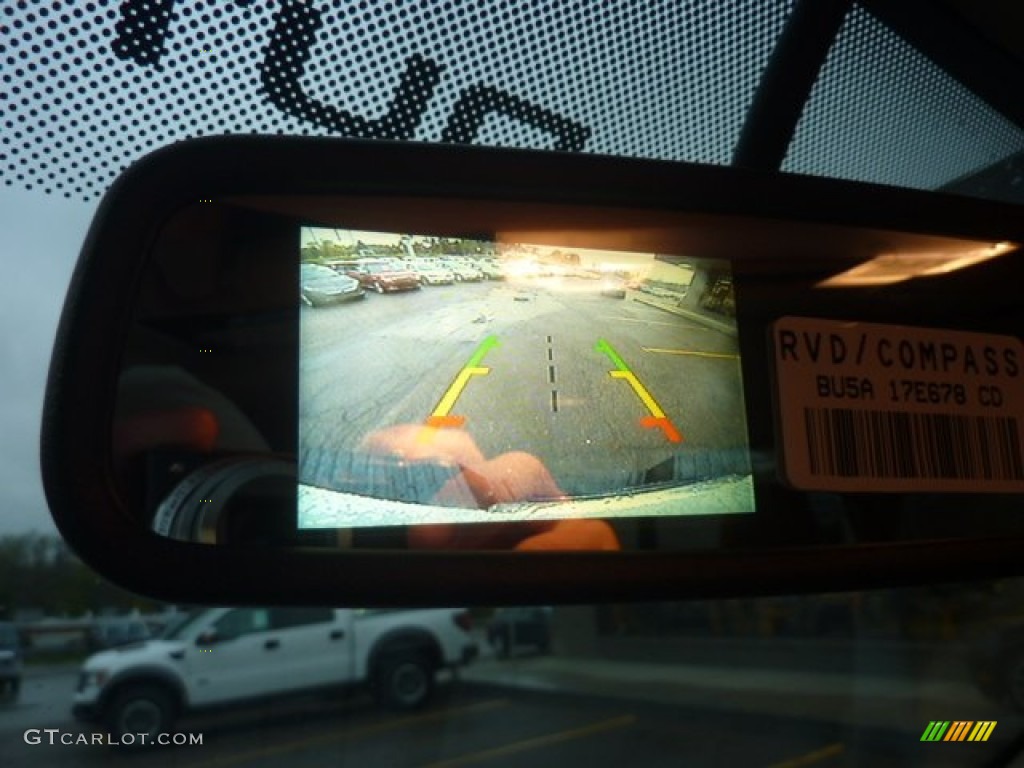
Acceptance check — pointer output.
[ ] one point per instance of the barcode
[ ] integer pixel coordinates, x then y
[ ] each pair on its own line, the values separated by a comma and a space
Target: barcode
887, 444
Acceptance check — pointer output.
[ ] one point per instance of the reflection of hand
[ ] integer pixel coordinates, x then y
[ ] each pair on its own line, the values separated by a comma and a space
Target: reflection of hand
536, 536
509, 477
573, 534
187, 427
165, 407
412, 442
515, 476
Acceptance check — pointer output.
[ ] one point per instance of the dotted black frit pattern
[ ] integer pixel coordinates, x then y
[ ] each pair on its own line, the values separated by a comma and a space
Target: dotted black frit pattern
88, 87
911, 124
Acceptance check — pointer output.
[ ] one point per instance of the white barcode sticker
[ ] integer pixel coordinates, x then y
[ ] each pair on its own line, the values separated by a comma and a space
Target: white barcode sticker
883, 408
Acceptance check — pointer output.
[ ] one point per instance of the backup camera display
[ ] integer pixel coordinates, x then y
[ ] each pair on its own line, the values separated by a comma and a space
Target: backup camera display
451, 380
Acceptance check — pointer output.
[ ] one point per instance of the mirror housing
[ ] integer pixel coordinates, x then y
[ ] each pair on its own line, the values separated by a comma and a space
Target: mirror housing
169, 242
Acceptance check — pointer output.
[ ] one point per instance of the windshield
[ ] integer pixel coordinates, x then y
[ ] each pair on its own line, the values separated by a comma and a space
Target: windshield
921, 95
313, 274
182, 625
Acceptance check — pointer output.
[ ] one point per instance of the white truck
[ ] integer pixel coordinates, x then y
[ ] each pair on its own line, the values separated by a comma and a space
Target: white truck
217, 656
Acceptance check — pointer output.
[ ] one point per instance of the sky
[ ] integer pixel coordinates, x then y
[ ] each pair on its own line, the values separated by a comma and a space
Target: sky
42, 235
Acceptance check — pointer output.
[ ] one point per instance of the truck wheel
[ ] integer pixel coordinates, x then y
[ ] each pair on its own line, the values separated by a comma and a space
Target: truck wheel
142, 709
405, 681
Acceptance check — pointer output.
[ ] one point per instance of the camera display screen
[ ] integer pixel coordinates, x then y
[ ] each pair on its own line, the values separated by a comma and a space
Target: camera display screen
446, 380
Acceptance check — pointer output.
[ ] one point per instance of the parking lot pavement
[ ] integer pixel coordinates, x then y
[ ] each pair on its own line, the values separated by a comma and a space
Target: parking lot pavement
576, 705
50, 669
44, 700
671, 305
869, 700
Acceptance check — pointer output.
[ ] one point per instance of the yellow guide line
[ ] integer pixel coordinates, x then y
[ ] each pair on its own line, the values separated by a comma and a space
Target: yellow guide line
448, 401
690, 352
622, 319
641, 392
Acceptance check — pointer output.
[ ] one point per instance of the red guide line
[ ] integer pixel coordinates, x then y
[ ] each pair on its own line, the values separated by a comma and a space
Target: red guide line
445, 421
664, 425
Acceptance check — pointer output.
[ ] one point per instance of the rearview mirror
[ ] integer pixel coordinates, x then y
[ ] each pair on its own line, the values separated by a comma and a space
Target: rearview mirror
335, 372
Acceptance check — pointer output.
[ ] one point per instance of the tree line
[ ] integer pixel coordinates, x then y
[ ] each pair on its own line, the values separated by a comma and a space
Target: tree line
40, 574
327, 250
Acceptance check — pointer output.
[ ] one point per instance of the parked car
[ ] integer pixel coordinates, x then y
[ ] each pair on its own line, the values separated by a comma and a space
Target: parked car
431, 273
613, 288
10, 659
490, 269
111, 633
219, 655
322, 285
463, 272
384, 276
513, 629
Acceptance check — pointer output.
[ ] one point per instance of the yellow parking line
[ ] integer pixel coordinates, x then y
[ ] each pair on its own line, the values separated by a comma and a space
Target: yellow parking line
689, 352
653, 322
641, 392
351, 733
832, 750
448, 401
536, 742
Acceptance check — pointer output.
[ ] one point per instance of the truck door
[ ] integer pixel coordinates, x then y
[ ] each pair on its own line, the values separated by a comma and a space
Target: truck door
316, 645
235, 657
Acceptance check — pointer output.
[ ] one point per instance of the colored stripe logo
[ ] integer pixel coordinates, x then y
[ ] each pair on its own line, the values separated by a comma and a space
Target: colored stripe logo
958, 730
